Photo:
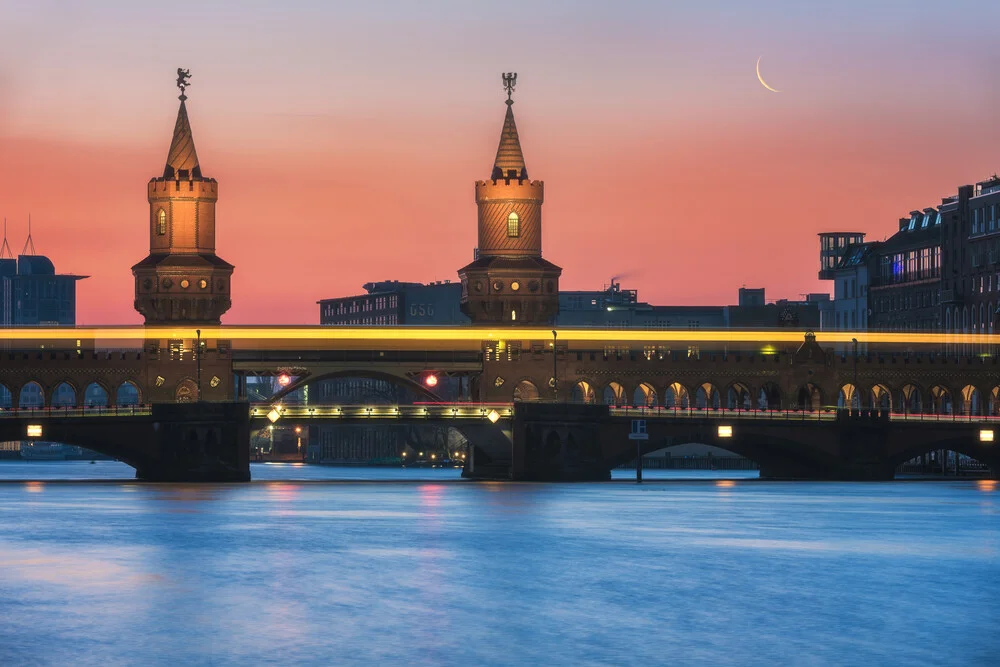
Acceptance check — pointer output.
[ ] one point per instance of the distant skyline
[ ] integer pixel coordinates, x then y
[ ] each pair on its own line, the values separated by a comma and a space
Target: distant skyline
346, 137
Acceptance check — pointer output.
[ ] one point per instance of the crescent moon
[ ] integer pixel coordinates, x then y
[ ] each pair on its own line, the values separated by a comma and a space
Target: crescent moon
761, 79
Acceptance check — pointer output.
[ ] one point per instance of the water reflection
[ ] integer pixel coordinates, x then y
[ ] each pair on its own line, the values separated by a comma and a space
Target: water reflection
439, 571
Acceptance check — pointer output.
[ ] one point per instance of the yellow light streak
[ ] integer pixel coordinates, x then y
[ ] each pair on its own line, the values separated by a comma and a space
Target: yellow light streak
262, 335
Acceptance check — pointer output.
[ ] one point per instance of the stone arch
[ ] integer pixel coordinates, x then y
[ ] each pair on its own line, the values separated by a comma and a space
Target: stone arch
939, 400
971, 402
526, 391
881, 397
809, 397
613, 394
910, 399
417, 387
769, 397
849, 397
95, 395
128, 393
738, 397
644, 395
947, 320
994, 403
186, 391
63, 395
6, 397
707, 397
31, 396
583, 392
676, 396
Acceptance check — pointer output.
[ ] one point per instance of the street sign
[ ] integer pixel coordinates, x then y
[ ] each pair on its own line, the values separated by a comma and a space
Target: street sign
638, 430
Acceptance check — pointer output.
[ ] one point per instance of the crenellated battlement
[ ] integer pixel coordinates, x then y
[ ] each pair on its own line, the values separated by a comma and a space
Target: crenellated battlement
505, 189
165, 188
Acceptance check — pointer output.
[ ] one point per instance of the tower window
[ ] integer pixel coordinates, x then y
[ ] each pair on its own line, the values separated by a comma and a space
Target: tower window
161, 222
513, 225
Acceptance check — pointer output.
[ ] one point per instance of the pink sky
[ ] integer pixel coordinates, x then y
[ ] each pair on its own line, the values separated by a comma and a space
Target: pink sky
346, 140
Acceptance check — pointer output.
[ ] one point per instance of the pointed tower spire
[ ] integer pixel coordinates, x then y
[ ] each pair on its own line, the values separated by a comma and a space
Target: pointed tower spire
509, 162
29, 244
182, 160
5, 251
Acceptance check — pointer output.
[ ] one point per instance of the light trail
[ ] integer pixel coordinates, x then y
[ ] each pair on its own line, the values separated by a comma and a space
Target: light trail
263, 337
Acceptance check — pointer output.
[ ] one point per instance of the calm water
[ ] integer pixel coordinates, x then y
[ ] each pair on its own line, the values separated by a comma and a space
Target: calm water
425, 569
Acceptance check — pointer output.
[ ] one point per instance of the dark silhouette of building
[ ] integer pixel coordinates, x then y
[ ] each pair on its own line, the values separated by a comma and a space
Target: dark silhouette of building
390, 302
32, 293
508, 281
182, 280
970, 258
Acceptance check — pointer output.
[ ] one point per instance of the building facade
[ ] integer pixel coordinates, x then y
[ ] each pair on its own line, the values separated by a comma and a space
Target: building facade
182, 280
508, 281
33, 294
391, 302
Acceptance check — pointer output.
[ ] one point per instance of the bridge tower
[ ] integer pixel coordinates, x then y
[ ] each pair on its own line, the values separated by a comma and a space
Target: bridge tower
508, 281
182, 280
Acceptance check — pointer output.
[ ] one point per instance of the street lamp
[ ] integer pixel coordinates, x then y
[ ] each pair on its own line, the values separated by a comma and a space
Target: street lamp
555, 354
855, 341
198, 357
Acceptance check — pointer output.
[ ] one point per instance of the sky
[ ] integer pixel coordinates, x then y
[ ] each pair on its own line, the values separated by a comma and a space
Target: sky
347, 136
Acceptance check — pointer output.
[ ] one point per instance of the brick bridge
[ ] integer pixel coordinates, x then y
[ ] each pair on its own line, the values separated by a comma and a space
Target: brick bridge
713, 376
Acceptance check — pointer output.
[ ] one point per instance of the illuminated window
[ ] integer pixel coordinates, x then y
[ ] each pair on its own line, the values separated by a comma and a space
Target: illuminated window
513, 225
161, 222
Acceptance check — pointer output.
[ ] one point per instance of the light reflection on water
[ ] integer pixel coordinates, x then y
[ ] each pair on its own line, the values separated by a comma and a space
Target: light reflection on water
428, 569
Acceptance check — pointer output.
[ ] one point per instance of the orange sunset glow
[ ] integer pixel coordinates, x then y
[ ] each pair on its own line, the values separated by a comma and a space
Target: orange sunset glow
346, 141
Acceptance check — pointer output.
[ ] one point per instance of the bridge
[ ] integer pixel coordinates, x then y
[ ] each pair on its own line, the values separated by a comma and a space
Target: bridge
523, 441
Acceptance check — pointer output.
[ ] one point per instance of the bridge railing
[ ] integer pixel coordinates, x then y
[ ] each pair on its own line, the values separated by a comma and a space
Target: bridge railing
438, 411
75, 411
822, 414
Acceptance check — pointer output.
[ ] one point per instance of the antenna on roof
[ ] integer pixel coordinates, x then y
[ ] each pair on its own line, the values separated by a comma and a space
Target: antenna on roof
5, 248
29, 243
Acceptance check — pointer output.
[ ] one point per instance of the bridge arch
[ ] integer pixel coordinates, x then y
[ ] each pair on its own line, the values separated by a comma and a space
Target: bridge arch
31, 396
676, 396
984, 453
939, 400
583, 392
738, 397
994, 402
418, 388
6, 397
707, 397
128, 393
810, 397
910, 399
95, 395
849, 397
644, 395
613, 394
769, 397
881, 397
971, 402
63, 395
526, 391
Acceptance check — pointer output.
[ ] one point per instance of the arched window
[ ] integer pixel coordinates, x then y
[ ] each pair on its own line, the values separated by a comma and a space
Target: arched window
513, 225
161, 222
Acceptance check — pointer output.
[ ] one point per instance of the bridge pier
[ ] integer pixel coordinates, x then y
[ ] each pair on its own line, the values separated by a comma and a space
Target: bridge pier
199, 442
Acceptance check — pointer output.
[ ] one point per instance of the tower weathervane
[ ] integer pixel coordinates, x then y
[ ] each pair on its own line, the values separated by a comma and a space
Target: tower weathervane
182, 81
509, 81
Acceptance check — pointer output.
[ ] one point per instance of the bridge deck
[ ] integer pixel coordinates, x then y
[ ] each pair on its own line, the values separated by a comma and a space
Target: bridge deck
466, 411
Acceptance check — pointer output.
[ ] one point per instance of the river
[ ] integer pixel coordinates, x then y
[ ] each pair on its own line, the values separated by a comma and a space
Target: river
315, 565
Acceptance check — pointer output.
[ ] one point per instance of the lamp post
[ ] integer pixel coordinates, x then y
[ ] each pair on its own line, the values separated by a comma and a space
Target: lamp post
855, 341
197, 356
555, 354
